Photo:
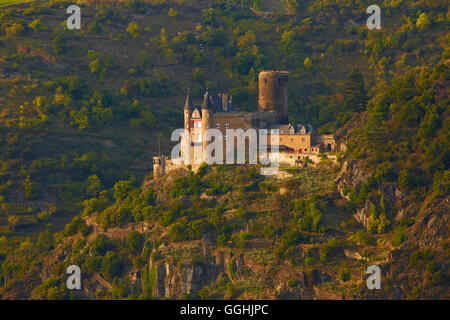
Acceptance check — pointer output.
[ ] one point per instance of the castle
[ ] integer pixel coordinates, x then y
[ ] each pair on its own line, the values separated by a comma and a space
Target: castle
296, 141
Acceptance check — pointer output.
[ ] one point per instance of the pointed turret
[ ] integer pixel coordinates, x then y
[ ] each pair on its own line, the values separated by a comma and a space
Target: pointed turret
188, 104
207, 101
230, 104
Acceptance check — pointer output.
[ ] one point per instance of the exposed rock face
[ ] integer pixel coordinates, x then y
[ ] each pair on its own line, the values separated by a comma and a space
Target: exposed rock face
362, 214
46, 265
300, 289
352, 175
184, 279
432, 224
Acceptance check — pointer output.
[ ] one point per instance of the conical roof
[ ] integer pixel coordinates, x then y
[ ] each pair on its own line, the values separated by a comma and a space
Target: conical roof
206, 101
188, 104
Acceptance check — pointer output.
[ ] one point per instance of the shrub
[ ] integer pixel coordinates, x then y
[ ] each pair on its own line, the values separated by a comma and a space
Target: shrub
345, 275
101, 245
121, 189
59, 42
112, 265
133, 29
135, 241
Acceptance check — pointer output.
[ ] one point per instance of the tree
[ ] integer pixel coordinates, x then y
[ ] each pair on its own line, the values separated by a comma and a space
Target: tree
355, 91
36, 24
102, 115
133, 29
215, 37
112, 265
31, 190
100, 245
94, 66
13, 221
94, 185
307, 63
121, 189
16, 29
80, 118
173, 13
423, 22
59, 42
135, 241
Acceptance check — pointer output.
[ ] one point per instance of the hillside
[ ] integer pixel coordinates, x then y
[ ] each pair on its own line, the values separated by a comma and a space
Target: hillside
82, 113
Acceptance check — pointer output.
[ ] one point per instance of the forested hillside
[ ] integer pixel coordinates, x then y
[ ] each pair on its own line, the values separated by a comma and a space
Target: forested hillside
82, 113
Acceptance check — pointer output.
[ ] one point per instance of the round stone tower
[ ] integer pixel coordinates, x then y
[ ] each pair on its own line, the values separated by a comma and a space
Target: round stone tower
273, 93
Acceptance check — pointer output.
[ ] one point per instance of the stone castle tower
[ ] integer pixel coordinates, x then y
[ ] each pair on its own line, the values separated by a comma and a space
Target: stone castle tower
273, 93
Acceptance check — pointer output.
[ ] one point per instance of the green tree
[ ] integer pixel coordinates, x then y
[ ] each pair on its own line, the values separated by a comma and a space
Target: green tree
94, 185
133, 29
121, 189
80, 118
135, 241
307, 63
31, 190
36, 24
423, 22
59, 42
112, 265
355, 91
173, 13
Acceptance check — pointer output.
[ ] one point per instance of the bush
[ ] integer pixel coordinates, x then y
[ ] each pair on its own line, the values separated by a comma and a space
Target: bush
135, 241
59, 42
345, 275
121, 189
333, 248
112, 265
101, 245
133, 29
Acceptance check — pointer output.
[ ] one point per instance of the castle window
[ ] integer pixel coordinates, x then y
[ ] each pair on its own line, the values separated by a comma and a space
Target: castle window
197, 124
281, 139
225, 137
303, 139
226, 125
218, 125
265, 80
207, 115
